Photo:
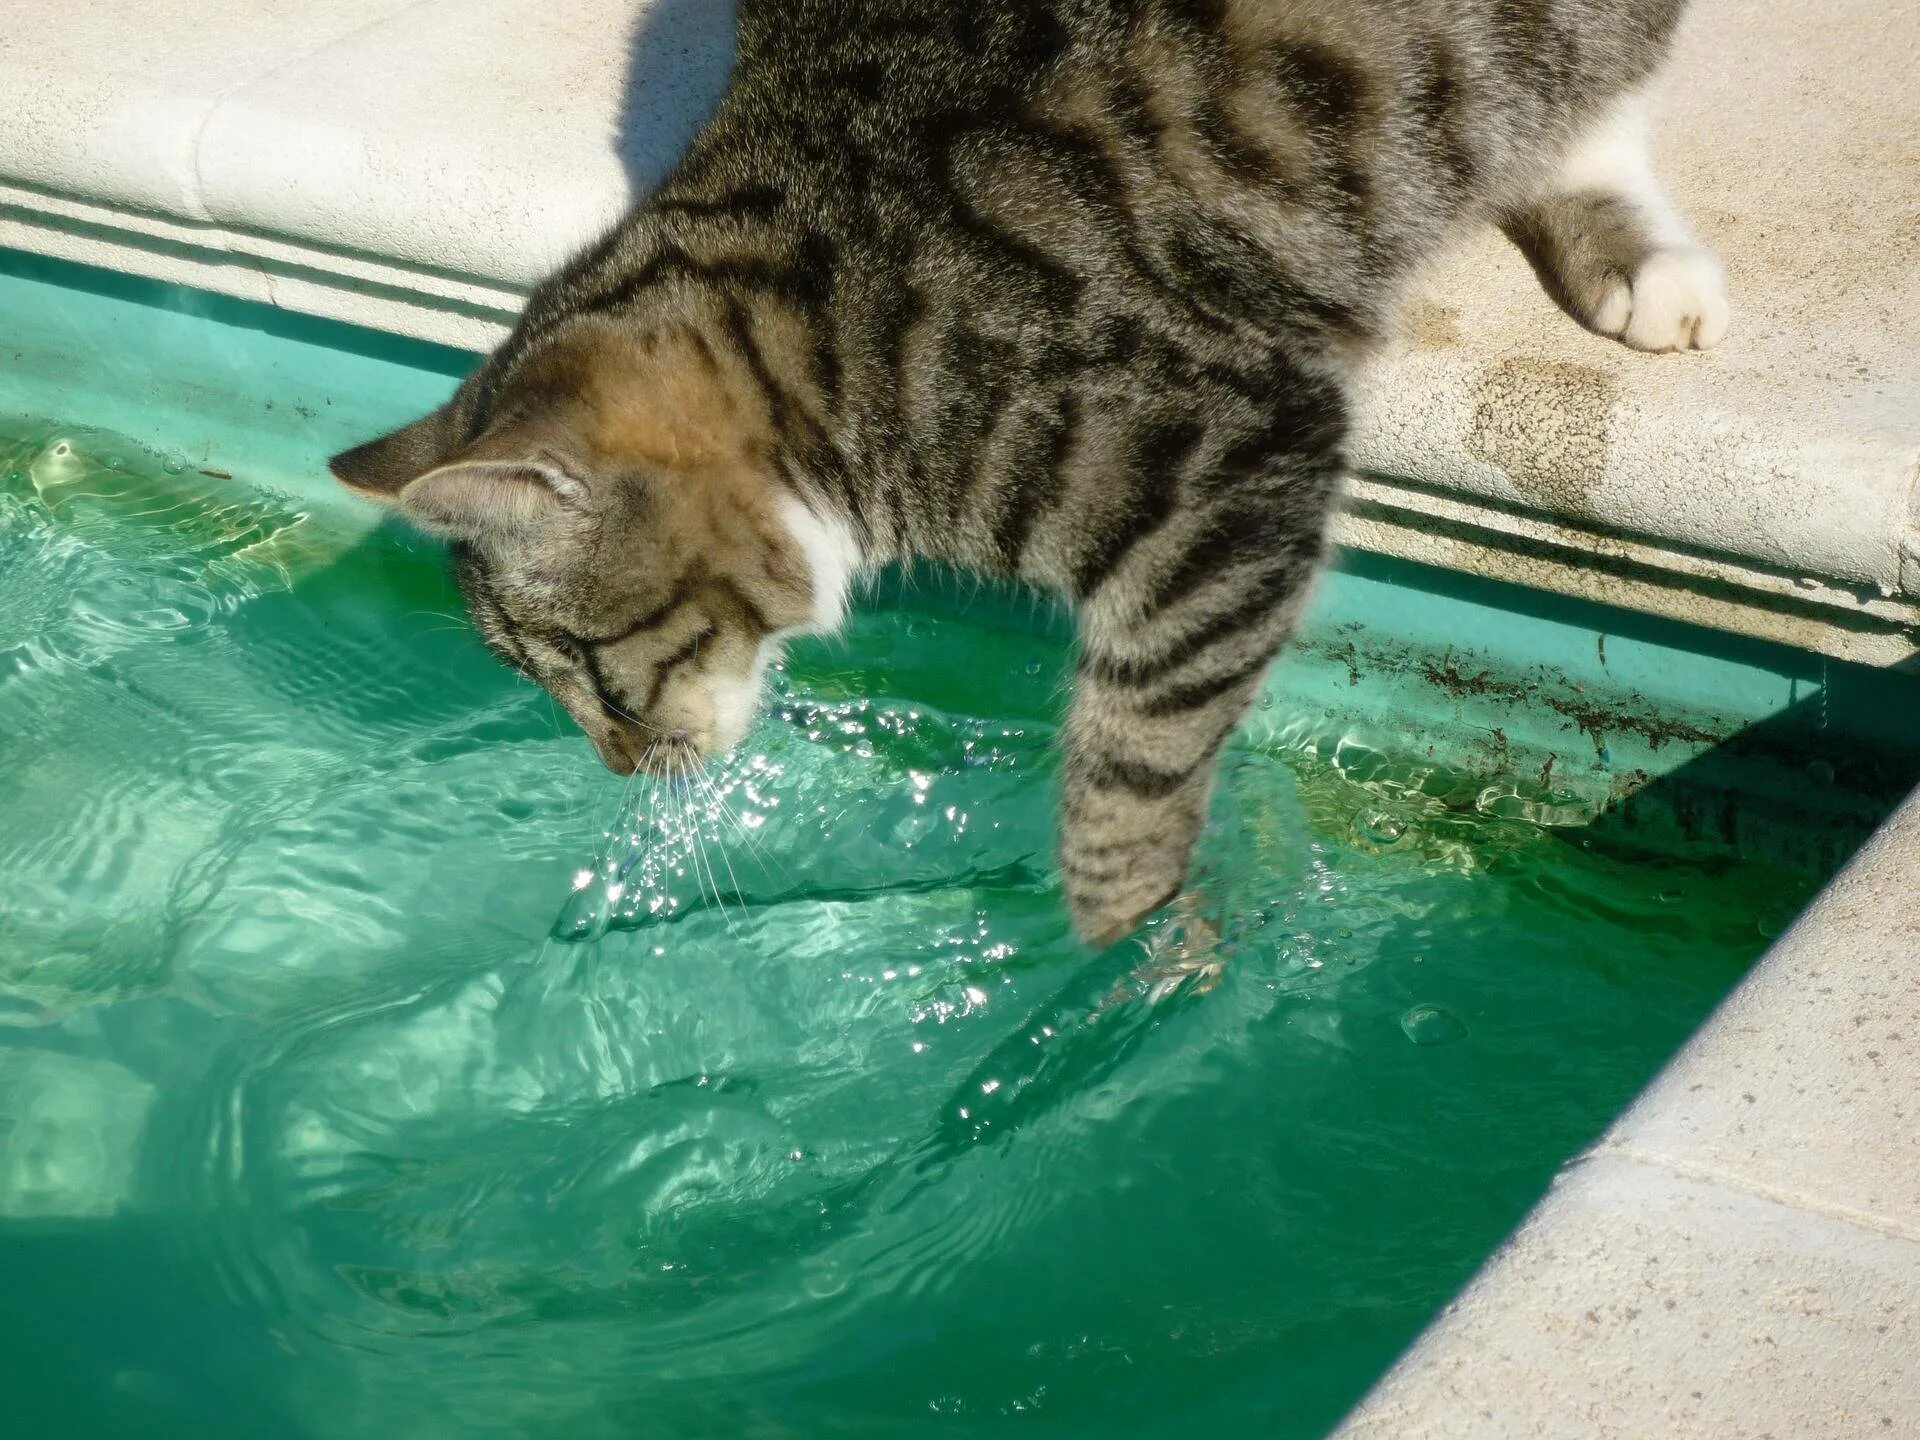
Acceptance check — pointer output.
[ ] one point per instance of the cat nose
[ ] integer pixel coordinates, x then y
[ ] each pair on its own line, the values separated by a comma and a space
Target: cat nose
621, 755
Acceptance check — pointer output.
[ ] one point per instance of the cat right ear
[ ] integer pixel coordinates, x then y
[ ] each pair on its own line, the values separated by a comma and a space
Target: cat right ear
489, 502
383, 468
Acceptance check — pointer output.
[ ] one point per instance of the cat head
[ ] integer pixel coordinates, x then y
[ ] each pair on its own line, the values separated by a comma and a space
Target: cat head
621, 532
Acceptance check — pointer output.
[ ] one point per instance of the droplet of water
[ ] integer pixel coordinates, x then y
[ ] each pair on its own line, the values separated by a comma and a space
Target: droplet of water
173, 465
587, 914
1432, 1025
1821, 773
1033, 667
824, 1280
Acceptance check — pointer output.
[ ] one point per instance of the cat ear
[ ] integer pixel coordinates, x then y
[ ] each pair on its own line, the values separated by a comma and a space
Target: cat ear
490, 500
486, 501
383, 468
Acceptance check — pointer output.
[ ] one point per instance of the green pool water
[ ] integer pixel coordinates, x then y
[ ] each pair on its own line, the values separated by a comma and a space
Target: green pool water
343, 1094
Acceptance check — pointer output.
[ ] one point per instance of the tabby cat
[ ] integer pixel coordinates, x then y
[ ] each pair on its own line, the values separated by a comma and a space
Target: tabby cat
1063, 290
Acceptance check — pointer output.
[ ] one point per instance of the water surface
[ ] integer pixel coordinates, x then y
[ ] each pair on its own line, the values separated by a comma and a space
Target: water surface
362, 1074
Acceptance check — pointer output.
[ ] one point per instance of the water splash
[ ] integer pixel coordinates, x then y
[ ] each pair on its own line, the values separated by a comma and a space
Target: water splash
908, 801
653, 856
1430, 1025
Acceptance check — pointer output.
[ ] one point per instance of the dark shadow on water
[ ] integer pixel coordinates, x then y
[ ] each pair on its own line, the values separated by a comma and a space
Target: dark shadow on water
1798, 789
1803, 787
678, 63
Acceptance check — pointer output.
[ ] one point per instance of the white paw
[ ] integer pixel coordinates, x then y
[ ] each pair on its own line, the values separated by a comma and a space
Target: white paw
1678, 301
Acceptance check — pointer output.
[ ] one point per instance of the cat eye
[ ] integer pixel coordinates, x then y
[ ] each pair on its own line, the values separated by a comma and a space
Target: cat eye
568, 645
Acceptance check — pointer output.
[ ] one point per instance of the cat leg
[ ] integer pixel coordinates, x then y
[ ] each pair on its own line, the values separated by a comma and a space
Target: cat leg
1162, 683
1612, 251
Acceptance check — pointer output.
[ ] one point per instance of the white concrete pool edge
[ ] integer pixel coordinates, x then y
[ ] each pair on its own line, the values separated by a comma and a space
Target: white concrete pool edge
414, 165
1740, 1255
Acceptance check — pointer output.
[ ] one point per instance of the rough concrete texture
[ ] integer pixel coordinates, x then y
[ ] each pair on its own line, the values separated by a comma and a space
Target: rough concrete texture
409, 165
1740, 1257
1638, 1303
1806, 1085
108, 99
489, 138
414, 164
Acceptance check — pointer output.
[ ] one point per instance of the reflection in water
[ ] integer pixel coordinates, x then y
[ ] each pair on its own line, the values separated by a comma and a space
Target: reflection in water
805, 1114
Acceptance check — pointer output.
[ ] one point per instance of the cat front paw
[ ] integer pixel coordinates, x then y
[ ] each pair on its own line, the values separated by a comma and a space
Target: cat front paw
1107, 911
1104, 920
1183, 954
1677, 300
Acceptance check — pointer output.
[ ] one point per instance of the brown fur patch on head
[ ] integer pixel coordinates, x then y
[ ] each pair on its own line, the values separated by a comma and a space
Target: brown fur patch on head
660, 397
665, 400
680, 410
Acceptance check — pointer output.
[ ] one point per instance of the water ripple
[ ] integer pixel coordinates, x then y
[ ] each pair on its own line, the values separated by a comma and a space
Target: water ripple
403, 1074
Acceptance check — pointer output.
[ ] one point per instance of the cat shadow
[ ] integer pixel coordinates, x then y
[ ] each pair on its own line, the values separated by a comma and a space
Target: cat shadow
679, 60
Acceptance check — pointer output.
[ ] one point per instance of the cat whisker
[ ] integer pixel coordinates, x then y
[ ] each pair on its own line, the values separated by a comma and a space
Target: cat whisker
462, 622
681, 765
716, 800
756, 847
631, 719
733, 879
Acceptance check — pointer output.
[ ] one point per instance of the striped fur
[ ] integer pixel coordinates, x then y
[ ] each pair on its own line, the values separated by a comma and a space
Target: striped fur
1063, 290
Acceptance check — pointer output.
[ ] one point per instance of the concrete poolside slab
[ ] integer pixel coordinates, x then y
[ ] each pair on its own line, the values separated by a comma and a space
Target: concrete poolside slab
482, 138
1806, 1085
1638, 1303
108, 100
